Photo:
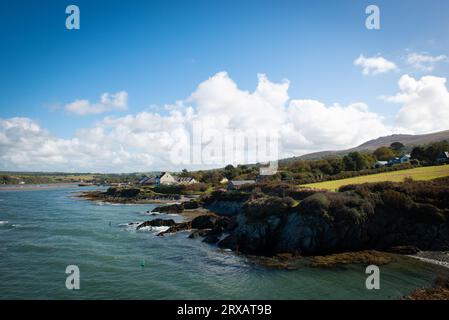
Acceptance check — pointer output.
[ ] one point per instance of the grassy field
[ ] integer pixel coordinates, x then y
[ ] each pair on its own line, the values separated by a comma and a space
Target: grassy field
423, 173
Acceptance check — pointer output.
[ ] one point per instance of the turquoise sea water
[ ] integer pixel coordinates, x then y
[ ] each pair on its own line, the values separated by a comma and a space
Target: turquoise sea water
44, 231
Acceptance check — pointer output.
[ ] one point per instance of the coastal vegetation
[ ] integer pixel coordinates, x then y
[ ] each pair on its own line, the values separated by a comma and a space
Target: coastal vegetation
370, 216
420, 173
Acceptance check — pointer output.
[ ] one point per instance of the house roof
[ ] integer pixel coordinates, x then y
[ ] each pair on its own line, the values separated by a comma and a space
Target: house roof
444, 155
185, 179
143, 179
242, 182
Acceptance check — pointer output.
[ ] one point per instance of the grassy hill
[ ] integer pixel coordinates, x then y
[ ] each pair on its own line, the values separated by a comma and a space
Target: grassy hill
422, 173
406, 139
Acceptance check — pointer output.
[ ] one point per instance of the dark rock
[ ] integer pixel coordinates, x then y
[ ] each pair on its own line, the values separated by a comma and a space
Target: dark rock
177, 228
198, 233
204, 222
192, 204
230, 242
211, 238
124, 193
227, 223
216, 231
157, 223
173, 208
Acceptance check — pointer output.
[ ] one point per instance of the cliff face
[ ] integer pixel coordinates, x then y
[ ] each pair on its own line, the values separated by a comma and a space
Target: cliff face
366, 217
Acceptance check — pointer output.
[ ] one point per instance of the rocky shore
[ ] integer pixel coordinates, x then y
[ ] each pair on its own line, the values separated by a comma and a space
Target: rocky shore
131, 196
440, 258
367, 224
439, 291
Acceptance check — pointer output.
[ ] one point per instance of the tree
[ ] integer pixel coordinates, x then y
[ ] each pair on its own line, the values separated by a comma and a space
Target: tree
325, 167
337, 165
231, 172
430, 153
397, 146
356, 161
418, 153
384, 153
349, 164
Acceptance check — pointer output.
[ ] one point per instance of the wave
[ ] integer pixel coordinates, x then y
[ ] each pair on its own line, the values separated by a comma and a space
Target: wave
154, 229
132, 226
149, 213
2, 223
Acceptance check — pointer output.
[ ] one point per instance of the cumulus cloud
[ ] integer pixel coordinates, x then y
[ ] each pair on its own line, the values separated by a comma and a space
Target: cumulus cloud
423, 61
330, 128
374, 65
108, 102
425, 104
151, 141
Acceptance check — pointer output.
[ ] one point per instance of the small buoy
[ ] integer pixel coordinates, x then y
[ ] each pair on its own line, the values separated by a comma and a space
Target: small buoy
143, 263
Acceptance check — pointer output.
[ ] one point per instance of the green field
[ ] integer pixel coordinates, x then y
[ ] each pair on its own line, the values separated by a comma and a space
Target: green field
423, 173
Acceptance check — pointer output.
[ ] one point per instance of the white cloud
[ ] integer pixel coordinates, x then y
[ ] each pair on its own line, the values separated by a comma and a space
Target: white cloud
331, 128
108, 102
425, 104
424, 62
146, 141
375, 65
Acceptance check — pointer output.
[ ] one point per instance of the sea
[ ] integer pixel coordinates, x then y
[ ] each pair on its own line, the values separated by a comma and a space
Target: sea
44, 230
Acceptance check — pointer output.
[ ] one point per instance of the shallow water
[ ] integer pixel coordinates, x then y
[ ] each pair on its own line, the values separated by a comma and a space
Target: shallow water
44, 231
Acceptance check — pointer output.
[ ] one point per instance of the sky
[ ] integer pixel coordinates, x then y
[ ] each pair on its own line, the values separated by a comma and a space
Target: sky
125, 91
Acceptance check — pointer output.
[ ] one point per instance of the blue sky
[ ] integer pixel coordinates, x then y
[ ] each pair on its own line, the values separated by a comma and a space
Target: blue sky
160, 51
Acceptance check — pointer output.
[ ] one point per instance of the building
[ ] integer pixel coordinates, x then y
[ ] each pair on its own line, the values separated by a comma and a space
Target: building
380, 164
165, 178
143, 180
237, 184
443, 157
398, 160
186, 180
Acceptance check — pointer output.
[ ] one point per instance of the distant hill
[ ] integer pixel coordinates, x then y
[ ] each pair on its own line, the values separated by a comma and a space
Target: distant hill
408, 140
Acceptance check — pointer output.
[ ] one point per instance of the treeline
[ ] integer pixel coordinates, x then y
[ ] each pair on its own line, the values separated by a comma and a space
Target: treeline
428, 154
331, 168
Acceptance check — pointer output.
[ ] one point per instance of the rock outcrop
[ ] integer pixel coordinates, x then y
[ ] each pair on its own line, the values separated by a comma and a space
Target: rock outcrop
157, 223
172, 208
177, 207
368, 217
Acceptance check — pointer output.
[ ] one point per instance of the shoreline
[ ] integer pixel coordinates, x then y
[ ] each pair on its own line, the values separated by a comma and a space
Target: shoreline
439, 258
188, 214
38, 186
